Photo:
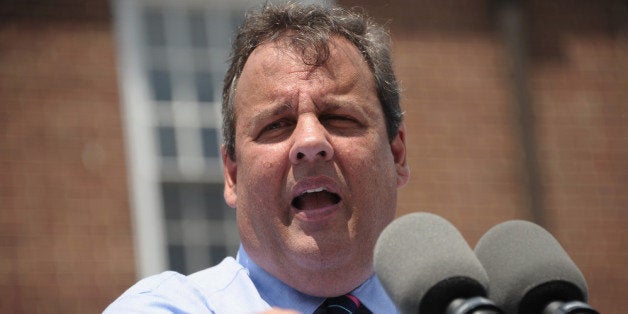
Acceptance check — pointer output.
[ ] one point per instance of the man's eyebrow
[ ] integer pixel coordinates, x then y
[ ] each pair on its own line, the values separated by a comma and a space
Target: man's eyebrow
331, 106
272, 112
340, 105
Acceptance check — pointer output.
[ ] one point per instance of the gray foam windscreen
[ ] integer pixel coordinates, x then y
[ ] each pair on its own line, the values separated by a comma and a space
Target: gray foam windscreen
418, 251
522, 259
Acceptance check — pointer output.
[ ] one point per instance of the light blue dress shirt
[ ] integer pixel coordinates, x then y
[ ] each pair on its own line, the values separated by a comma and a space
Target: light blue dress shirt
231, 287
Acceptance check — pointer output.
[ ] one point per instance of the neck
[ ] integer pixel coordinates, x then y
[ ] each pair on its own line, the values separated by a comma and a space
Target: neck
318, 279
326, 283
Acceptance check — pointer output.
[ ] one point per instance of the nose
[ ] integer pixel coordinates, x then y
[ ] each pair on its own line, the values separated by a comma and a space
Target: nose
310, 142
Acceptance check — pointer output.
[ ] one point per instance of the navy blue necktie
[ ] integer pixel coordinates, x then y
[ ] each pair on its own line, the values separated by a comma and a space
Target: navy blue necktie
346, 304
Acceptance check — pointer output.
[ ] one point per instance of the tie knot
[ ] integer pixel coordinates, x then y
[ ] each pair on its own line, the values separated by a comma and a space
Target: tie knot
345, 304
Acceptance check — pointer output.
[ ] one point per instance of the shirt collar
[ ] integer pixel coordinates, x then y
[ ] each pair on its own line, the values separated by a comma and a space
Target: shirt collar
371, 293
278, 294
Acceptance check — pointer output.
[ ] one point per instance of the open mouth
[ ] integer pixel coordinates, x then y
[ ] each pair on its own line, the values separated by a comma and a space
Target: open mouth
315, 198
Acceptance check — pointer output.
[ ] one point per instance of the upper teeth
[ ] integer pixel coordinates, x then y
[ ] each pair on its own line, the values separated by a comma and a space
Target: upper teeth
314, 190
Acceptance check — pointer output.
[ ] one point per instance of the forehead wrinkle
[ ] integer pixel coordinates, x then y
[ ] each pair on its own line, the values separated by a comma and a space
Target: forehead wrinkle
324, 96
274, 62
342, 54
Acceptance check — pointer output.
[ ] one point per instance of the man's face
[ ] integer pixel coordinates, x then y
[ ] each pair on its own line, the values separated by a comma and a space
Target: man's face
314, 178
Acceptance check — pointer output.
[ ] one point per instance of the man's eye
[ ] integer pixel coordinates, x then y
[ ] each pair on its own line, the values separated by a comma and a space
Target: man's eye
343, 125
275, 131
276, 128
277, 125
338, 120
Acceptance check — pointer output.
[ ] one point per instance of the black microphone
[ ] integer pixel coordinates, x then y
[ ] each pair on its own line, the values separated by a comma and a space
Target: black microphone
530, 272
426, 266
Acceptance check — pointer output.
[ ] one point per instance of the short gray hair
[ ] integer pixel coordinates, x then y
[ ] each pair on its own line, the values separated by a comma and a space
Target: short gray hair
310, 28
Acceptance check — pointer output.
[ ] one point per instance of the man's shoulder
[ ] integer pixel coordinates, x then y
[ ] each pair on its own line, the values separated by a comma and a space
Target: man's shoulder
228, 287
220, 277
167, 292
206, 291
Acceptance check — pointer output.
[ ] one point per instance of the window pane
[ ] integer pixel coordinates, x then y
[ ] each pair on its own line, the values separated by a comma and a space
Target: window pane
204, 87
210, 142
167, 142
236, 19
170, 196
198, 30
216, 203
161, 85
176, 258
217, 253
196, 258
155, 28
193, 203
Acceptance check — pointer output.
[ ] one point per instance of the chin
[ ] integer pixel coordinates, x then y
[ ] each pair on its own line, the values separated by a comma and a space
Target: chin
326, 256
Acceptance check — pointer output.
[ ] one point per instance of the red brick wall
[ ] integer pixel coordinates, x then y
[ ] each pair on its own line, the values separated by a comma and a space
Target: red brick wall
465, 150
65, 233
580, 84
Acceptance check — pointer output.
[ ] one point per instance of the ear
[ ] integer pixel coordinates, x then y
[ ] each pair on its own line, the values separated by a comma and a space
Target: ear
398, 149
229, 171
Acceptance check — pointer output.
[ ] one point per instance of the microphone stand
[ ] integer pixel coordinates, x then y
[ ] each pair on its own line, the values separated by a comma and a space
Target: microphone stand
571, 307
474, 305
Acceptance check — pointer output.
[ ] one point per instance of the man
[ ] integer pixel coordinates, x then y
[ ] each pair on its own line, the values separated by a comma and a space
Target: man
314, 154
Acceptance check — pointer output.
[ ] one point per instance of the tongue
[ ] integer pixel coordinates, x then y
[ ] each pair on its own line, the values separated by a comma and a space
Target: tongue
315, 200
